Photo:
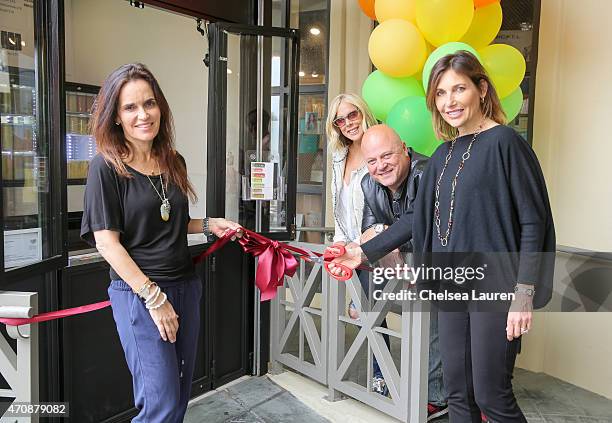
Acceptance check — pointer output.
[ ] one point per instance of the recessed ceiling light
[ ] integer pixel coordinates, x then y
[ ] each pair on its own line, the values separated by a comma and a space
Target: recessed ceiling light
23, 44
315, 31
229, 71
302, 73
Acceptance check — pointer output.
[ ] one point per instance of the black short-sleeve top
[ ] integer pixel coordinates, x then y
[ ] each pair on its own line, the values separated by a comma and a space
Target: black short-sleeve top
131, 206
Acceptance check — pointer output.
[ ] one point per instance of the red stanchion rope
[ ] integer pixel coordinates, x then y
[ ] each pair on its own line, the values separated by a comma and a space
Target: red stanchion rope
276, 260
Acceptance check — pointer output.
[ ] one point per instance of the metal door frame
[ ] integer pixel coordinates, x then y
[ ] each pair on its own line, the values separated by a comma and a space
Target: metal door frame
216, 144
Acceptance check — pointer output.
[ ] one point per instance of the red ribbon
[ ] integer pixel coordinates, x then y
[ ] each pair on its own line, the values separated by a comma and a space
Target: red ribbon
276, 260
52, 315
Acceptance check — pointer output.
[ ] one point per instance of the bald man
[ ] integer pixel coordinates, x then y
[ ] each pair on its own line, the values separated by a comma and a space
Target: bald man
390, 187
389, 190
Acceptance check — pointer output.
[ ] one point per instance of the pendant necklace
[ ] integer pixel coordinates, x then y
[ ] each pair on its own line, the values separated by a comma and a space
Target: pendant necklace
464, 157
164, 209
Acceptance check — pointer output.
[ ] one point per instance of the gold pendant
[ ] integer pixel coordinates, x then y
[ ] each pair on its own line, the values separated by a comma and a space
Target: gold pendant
164, 210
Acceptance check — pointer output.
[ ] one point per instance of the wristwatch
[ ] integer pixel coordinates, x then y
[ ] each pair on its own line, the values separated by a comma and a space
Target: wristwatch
379, 228
206, 227
363, 257
146, 290
523, 290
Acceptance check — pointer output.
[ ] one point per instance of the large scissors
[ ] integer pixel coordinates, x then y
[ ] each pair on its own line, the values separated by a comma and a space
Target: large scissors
327, 257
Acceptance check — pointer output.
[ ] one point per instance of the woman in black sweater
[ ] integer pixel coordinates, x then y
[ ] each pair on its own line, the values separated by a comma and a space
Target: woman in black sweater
483, 192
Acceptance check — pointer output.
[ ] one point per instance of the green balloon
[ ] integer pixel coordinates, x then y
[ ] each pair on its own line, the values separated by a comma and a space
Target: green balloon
382, 91
512, 104
440, 52
412, 121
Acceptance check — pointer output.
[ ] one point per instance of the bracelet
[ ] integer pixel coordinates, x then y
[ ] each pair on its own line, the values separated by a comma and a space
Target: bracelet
523, 290
161, 303
151, 303
145, 290
147, 284
153, 297
206, 227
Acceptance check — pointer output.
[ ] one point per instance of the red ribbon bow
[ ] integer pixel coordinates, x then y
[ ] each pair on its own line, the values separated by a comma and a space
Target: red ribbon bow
275, 262
275, 259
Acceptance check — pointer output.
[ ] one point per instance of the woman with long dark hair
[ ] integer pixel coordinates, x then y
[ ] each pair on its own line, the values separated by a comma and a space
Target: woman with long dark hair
136, 214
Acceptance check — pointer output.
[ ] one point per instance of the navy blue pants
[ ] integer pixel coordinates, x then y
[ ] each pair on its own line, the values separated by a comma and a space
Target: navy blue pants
161, 371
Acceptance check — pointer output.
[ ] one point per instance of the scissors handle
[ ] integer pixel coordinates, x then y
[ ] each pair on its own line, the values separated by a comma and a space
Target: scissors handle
347, 273
331, 254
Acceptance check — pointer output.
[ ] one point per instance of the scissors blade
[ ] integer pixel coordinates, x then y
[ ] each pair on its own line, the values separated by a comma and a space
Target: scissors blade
315, 259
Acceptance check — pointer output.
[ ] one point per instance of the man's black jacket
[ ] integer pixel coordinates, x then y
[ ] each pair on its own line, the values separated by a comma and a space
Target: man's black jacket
381, 206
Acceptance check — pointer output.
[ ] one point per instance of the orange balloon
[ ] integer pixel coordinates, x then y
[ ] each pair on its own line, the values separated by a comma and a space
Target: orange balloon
367, 6
480, 3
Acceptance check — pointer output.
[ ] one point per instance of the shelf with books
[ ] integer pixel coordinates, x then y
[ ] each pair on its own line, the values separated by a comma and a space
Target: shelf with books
80, 145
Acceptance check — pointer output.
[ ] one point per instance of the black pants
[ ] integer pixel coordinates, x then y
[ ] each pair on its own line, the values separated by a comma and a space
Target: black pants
477, 363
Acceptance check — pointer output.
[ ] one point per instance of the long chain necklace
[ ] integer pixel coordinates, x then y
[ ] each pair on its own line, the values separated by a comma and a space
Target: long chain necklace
164, 209
464, 157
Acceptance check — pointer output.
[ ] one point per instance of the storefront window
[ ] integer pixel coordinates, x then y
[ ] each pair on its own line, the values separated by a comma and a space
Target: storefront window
311, 16
25, 153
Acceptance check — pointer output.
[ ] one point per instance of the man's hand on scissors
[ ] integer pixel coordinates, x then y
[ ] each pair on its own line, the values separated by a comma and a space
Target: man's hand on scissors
350, 259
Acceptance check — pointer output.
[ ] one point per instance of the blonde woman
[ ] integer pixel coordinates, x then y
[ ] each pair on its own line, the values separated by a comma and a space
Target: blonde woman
347, 121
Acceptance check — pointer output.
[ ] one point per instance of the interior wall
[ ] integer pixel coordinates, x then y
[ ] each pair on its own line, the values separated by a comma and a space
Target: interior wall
102, 35
571, 139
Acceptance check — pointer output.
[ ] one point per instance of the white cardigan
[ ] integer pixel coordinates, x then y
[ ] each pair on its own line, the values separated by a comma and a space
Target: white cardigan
340, 226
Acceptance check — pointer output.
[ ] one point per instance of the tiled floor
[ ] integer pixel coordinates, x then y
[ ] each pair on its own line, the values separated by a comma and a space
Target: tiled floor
543, 399
254, 400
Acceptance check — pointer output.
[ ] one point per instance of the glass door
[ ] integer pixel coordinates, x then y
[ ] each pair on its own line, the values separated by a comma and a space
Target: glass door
252, 150
30, 195
253, 126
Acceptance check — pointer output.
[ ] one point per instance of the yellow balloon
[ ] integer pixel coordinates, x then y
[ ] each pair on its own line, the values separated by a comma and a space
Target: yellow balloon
428, 50
443, 21
397, 48
505, 65
485, 26
395, 9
